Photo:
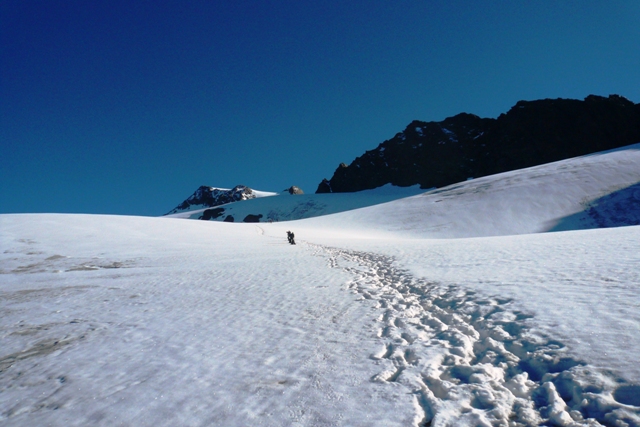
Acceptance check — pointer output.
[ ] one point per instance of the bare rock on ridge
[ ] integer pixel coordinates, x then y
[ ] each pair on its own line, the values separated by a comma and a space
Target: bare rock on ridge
436, 154
294, 190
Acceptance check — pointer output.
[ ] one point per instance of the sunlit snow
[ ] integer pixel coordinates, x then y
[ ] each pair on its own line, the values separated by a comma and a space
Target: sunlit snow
497, 301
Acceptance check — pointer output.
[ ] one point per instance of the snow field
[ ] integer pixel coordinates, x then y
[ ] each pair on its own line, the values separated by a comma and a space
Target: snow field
142, 321
147, 321
477, 361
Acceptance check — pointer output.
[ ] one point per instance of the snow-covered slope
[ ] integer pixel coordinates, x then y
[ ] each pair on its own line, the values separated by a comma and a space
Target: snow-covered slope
291, 207
110, 320
599, 190
595, 191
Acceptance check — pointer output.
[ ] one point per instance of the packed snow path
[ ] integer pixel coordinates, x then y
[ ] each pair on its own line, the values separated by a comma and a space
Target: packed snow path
476, 362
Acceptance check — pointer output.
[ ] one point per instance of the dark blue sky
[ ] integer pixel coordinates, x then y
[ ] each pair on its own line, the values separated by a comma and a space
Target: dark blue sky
127, 107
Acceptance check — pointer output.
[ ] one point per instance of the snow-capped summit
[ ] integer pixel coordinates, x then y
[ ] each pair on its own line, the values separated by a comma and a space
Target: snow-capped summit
207, 197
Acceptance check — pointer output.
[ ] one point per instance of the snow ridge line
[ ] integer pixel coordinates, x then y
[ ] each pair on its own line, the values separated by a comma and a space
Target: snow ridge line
475, 361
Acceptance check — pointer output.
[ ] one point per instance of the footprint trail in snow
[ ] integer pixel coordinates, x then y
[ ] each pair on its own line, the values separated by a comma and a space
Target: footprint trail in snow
467, 360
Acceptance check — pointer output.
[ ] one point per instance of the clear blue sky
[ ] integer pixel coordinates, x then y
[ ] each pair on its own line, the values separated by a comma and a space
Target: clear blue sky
126, 107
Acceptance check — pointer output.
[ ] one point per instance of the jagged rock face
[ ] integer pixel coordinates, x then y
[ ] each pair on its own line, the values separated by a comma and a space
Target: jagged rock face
211, 197
324, 186
435, 154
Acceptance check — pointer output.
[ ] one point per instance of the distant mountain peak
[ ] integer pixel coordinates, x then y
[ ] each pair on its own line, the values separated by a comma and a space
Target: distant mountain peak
208, 197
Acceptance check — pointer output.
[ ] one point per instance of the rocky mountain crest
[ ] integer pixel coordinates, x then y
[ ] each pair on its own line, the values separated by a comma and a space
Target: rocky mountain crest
436, 154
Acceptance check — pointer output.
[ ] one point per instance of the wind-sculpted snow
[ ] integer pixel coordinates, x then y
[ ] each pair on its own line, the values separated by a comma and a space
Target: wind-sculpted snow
471, 361
155, 322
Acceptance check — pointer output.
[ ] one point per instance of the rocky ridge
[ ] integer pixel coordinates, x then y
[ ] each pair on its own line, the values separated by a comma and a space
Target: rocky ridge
436, 154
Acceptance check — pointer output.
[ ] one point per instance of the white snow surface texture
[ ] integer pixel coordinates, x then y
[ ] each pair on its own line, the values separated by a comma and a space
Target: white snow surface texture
456, 307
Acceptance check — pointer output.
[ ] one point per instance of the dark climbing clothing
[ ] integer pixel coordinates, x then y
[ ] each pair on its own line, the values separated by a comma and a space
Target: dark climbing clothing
290, 237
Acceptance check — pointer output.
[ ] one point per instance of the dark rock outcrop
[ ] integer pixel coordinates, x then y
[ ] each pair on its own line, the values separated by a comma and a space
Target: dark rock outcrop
252, 218
209, 214
324, 186
435, 154
211, 197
